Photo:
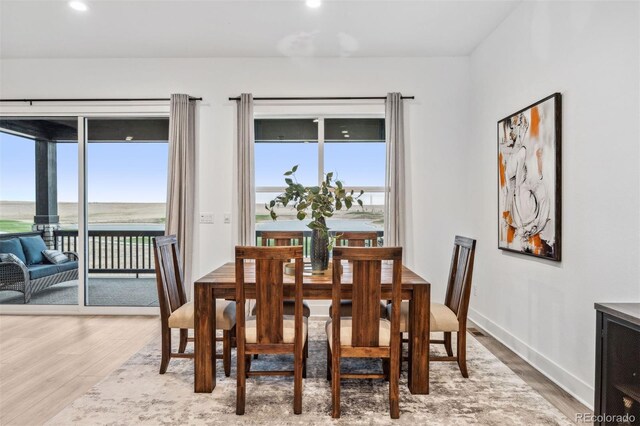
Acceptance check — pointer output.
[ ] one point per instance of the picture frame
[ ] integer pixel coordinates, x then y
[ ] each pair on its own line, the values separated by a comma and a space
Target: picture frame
529, 179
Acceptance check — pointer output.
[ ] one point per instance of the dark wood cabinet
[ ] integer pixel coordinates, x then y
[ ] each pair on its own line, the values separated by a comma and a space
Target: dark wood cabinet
617, 387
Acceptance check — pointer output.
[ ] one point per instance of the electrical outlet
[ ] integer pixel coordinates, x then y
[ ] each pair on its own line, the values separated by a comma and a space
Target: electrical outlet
227, 218
475, 290
206, 218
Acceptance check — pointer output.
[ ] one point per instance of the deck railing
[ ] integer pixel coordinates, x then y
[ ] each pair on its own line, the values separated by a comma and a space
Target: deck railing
113, 251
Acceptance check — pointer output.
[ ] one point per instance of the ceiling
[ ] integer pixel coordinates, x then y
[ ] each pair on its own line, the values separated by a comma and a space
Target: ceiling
245, 28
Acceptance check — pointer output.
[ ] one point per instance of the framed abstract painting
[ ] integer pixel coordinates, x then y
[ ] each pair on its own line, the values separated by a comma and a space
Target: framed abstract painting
529, 177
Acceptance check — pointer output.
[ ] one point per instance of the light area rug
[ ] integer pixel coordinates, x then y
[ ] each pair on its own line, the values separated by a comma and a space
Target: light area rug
135, 394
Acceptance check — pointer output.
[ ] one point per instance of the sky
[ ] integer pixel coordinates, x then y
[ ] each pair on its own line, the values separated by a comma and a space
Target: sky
137, 172
126, 172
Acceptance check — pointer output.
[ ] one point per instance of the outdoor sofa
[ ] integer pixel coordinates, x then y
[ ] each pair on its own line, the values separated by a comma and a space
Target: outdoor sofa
25, 268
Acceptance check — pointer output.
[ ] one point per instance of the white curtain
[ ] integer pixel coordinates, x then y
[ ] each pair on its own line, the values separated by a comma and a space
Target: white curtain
245, 170
394, 226
181, 179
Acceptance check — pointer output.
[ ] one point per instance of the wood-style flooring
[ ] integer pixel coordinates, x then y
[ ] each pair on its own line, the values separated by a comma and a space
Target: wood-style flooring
46, 362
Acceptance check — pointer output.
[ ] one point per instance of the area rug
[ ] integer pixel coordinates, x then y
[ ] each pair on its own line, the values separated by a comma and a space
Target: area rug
136, 394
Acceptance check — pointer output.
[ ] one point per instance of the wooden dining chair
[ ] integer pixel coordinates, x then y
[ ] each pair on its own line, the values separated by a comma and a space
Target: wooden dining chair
280, 239
451, 317
270, 331
356, 239
365, 334
176, 312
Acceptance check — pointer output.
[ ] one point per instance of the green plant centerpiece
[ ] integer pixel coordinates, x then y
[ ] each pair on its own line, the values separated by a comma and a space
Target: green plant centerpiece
320, 202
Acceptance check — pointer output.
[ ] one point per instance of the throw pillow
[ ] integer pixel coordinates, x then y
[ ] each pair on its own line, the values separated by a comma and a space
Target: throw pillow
33, 247
9, 257
13, 246
55, 256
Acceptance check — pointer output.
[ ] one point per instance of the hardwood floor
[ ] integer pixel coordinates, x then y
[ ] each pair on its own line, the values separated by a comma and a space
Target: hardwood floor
46, 362
557, 396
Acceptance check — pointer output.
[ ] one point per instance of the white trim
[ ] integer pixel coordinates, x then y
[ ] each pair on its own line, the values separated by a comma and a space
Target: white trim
576, 387
82, 209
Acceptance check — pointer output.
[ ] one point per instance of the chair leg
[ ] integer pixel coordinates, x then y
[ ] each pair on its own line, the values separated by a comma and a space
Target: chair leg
255, 356
394, 385
184, 334
234, 342
247, 364
447, 343
328, 361
385, 368
305, 355
241, 380
226, 352
298, 362
166, 349
462, 352
335, 386
400, 356
27, 295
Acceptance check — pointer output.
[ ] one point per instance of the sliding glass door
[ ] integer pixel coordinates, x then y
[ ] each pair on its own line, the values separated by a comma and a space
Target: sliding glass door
126, 175
38, 206
92, 187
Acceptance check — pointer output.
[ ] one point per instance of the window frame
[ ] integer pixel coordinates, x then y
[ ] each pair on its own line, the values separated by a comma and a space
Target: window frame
321, 142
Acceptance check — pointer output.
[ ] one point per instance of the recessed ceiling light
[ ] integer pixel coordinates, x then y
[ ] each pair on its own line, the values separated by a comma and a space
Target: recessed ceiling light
314, 3
129, 138
78, 5
346, 136
345, 131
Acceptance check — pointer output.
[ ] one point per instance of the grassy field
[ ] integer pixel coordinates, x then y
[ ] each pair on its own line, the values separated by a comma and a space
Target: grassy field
14, 226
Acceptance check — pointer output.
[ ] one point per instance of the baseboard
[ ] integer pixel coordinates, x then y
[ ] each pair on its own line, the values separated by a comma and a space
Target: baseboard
575, 386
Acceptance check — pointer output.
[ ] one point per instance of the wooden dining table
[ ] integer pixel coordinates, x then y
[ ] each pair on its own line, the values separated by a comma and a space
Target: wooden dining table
220, 284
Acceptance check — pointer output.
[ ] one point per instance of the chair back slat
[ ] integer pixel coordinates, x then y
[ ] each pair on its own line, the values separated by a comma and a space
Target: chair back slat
282, 238
169, 278
460, 274
269, 300
269, 294
365, 314
358, 239
366, 291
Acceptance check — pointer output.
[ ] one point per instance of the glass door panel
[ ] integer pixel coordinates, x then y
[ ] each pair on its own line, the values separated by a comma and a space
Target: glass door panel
39, 210
126, 179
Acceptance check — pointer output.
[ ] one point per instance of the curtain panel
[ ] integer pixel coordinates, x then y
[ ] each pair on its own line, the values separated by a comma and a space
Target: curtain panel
181, 180
394, 226
246, 172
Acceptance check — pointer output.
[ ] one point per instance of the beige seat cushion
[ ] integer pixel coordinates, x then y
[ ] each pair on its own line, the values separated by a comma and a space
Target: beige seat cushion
346, 306
288, 330
289, 307
184, 316
442, 318
346, 331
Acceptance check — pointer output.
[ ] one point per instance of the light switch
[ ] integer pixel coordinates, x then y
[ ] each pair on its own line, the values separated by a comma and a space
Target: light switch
227, 218
206, 217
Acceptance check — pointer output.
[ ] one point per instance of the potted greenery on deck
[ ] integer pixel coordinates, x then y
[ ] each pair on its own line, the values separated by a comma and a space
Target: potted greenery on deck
319, 201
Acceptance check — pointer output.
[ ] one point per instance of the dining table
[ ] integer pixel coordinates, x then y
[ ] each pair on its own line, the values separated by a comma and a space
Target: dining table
221, 284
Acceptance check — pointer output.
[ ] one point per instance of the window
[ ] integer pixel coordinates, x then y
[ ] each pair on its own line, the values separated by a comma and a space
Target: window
353, 148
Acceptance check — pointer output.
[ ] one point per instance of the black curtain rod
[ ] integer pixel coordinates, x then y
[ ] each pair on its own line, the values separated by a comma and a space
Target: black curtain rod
94, 100
324, 98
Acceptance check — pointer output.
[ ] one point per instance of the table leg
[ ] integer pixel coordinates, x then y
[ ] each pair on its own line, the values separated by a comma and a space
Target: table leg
205, 328
419, 336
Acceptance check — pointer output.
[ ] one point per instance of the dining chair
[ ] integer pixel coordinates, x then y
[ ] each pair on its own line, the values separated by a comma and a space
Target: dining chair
356, 239
451, 316
279, 239
365, 334
270, 331
176, 312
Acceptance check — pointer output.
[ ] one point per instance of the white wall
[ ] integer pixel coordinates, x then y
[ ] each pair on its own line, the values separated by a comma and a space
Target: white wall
589, 52
436, 127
